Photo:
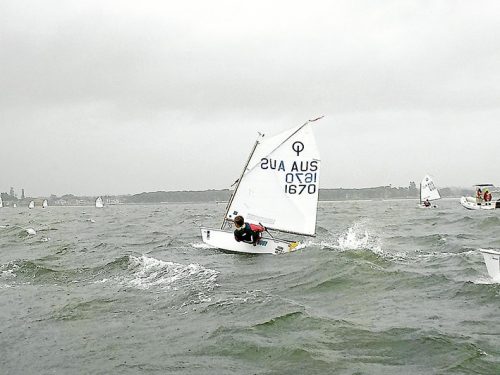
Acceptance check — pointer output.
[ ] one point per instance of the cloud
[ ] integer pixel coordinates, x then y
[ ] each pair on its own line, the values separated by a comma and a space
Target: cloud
187, 73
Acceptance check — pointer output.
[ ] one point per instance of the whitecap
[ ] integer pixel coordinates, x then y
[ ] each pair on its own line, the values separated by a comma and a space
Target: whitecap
356, 237
202, 246
8, 274
485, 281
150, 272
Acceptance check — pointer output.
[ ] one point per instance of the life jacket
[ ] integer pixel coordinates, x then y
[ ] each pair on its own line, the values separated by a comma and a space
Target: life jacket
248, 233
257, 228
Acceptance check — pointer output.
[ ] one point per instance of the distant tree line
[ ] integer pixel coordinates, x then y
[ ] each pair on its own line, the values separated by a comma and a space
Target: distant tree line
179, 196
339, 194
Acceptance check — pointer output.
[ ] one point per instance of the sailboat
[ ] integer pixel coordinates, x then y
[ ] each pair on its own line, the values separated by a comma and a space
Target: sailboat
1, 202
492, 260
473, 203
277, 189
45, 204
99, 203
428, 191
31, 205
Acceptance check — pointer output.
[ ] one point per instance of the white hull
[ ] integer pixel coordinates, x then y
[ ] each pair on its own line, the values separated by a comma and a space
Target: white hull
225, 240
492, 260
470, 203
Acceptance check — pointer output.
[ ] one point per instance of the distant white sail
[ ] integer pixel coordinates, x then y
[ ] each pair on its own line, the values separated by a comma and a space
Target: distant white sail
99, 203
1, 202
279, 187
428, 189
45, 204
31, 205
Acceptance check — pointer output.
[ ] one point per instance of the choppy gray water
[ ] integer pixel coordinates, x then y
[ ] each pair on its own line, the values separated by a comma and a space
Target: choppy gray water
385, 288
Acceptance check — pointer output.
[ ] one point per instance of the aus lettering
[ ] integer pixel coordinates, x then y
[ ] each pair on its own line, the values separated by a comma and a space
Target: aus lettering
305, 166
272, 164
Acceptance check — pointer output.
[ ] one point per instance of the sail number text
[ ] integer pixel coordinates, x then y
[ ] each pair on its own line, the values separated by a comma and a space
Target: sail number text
301, 177
430, 185
299, 182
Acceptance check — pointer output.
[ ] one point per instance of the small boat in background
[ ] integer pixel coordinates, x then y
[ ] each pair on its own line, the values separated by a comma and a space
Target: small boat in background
45, 204
428, 193
31, 205
481, 201
99, 203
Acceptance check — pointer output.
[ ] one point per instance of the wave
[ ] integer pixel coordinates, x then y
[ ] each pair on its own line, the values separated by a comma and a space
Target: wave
492, 222
188, 284
28, 271
356, 237
202, 245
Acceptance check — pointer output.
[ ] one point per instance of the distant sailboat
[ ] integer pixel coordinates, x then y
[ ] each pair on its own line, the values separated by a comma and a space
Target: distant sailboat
31, 205
15, 205
277, 189
99, 203
428, 192
1, 202
45, 204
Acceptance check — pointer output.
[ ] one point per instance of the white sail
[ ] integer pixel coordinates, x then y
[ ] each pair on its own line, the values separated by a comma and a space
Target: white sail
1, 202
31, 205
279, 188
45, 204
99, 203
428, 189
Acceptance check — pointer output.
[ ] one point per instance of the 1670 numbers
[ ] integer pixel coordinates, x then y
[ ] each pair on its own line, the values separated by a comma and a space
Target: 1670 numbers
298, 183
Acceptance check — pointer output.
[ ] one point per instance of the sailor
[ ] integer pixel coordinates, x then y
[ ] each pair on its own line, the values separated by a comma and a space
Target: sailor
249, 233
427, 203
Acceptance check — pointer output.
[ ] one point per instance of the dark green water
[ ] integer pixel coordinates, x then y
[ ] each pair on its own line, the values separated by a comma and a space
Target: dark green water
385, 288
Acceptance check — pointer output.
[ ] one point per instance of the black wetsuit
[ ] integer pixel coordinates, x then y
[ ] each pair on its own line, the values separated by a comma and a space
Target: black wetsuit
246, 234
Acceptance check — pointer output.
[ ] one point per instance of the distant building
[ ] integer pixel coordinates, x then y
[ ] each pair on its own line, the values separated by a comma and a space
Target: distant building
22, 193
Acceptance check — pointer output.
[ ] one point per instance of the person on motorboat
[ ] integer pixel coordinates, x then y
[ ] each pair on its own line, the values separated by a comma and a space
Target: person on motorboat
479, 196
487, 196
249, 233
427, 203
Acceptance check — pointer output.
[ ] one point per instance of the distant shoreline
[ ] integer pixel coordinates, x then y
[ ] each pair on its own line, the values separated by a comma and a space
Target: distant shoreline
379, 193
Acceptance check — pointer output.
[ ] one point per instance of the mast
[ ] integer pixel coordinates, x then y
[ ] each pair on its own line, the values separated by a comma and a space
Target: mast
239, 180
420, 194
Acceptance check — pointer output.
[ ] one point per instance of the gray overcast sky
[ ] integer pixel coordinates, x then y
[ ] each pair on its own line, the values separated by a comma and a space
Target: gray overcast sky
112, 97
